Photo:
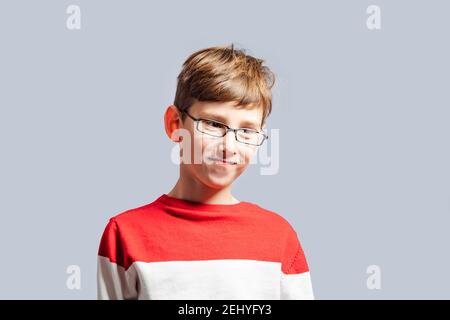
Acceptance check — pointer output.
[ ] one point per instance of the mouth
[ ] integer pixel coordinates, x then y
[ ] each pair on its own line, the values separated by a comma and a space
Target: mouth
222, 161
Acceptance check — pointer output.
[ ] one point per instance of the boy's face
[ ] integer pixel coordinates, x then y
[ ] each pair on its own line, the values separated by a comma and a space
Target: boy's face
237, 155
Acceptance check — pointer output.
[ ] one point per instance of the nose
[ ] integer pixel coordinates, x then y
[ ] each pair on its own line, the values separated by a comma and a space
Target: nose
229, 147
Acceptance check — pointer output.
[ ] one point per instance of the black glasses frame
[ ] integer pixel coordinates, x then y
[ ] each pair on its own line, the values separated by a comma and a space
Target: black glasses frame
197, 120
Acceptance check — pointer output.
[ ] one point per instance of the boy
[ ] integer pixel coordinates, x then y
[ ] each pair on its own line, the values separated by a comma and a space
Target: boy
198, 241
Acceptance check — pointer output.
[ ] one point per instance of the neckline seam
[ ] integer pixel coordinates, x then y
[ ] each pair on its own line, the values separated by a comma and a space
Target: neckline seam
188, 204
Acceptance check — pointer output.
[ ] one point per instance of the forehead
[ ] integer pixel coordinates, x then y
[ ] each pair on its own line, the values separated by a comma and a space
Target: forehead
229, 113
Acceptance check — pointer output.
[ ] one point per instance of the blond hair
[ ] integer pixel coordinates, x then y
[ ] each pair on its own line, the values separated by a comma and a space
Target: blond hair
225, 74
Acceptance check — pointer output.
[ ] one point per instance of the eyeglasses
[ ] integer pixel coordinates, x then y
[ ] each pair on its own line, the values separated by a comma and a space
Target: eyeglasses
219, 129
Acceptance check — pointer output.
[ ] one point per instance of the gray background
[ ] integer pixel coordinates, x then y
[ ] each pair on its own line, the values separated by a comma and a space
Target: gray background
363, 118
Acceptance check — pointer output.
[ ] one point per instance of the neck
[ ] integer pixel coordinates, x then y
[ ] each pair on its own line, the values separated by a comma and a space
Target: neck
190, 189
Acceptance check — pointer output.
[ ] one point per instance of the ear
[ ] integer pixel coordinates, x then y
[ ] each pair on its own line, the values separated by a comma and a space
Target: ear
172, 122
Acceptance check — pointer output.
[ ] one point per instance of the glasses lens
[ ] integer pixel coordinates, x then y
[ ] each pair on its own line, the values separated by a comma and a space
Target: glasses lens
212, 128
250, 137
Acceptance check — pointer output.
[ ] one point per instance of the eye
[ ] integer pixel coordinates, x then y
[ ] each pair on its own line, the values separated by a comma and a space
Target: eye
213, 124
248, 131
247, 134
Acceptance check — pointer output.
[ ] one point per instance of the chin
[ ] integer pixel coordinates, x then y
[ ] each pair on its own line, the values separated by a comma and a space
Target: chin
218, 182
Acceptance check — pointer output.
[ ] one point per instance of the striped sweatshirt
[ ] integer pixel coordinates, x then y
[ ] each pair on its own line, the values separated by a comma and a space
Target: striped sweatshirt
179, 249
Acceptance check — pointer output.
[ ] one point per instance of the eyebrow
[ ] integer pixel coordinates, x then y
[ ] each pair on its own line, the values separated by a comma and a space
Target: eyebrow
243, 124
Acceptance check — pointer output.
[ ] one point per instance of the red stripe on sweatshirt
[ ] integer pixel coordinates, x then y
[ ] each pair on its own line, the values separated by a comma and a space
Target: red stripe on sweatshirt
170, 229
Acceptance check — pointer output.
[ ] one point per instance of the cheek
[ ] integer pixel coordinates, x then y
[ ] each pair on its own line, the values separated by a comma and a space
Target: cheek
246, 154
207, 146
202, 144
201, 148
190, 148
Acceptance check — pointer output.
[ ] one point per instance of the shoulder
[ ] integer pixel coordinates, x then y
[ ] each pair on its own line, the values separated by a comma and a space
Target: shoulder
136, 217
273, 218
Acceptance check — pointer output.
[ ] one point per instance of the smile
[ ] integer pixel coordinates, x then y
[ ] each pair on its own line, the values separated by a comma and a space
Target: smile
221, 161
